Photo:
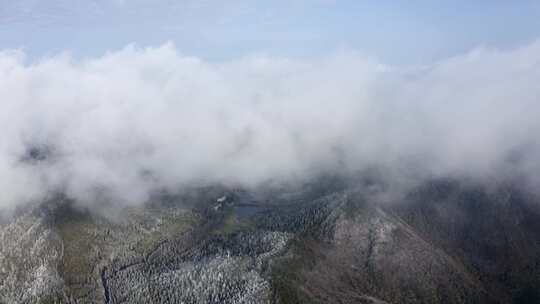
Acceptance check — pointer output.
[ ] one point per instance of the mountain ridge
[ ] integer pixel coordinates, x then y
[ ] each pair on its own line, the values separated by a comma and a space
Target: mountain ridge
329, 241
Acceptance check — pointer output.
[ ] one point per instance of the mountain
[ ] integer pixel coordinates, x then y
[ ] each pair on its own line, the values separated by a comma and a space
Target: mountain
327, 241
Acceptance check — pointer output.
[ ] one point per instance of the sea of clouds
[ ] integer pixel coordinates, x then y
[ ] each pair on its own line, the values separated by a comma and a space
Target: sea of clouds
138, 120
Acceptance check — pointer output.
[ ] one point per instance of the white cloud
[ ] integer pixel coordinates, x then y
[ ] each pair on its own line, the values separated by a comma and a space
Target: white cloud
140, 119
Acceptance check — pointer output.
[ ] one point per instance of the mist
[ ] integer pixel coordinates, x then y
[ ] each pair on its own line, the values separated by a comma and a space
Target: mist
138, 120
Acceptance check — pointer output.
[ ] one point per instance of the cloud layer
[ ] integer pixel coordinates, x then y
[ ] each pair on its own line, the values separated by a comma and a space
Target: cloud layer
137, 120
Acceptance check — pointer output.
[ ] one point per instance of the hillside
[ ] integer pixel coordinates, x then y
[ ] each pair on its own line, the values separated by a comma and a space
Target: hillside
328, 241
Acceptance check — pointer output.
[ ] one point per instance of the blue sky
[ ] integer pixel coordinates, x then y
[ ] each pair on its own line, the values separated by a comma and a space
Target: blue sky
396, 32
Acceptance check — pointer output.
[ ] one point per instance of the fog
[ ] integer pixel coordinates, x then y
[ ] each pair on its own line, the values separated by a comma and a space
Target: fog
137, 120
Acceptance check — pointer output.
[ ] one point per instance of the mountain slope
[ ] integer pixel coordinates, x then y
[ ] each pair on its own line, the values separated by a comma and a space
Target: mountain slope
327, 241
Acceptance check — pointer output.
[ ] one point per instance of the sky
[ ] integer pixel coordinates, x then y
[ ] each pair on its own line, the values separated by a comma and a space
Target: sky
115, 100
395, 32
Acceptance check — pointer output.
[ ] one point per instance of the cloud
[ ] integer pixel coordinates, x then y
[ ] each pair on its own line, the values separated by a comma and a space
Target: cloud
141, 119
